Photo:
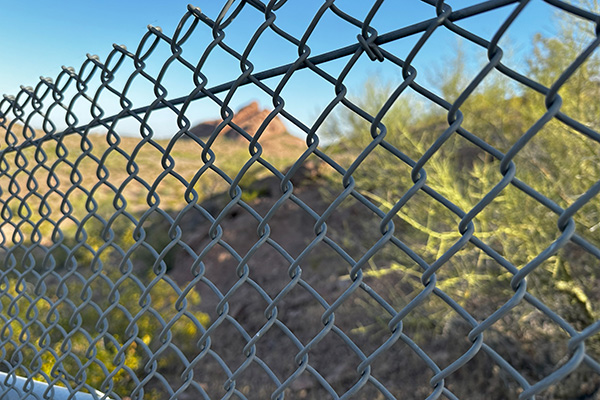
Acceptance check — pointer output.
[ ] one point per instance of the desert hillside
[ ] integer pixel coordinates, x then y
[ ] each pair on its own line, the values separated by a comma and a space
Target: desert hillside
259, 261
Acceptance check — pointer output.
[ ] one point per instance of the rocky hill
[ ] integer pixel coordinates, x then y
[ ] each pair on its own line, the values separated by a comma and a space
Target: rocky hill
249, 118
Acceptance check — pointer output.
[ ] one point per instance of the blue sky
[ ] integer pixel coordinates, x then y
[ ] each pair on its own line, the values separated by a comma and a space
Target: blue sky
40, 36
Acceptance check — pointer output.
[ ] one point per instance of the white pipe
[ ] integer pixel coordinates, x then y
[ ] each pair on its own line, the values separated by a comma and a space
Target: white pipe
14, 388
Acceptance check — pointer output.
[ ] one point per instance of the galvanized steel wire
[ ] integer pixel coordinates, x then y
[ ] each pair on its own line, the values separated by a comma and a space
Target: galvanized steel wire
24, 247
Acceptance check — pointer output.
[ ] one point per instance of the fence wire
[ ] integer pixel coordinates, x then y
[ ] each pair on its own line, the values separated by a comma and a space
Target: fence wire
104, 295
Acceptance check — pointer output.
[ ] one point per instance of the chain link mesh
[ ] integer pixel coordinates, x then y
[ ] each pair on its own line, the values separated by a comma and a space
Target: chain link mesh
160, 298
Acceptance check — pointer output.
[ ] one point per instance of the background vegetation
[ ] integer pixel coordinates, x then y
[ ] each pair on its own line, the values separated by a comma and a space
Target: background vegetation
558, 162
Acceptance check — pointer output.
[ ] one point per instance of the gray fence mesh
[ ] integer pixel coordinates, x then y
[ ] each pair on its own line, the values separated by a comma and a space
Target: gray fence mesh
182, 296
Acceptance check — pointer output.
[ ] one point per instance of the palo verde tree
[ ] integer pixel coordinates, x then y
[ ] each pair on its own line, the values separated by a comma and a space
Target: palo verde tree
559, 162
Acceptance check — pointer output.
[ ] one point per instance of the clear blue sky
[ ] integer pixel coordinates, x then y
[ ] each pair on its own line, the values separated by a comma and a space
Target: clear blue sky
40, 36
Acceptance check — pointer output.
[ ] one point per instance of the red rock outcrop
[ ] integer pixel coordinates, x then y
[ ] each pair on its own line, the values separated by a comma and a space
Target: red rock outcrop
249, 118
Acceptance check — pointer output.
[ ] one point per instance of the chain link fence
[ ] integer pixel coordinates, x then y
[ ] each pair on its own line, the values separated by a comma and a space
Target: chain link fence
140, 267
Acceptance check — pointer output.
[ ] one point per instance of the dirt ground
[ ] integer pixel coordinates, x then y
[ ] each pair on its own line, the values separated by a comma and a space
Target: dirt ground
363, 322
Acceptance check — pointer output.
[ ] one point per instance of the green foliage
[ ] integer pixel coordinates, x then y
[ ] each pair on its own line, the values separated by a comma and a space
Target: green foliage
558, 162
107, 342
